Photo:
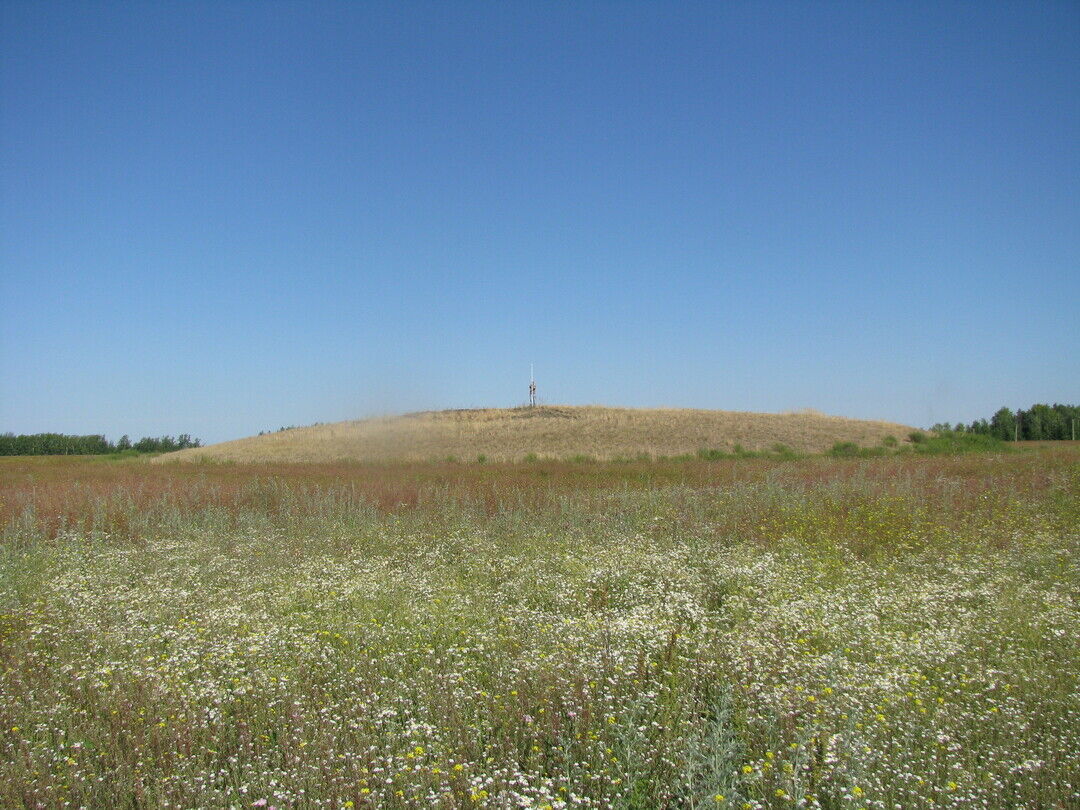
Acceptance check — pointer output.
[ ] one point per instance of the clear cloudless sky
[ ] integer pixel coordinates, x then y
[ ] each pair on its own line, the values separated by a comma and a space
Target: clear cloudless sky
217, 218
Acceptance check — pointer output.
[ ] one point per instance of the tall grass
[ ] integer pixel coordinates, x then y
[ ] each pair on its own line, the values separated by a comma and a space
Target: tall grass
891, 632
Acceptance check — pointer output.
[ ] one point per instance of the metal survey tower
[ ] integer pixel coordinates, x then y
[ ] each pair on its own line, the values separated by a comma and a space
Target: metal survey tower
532, 388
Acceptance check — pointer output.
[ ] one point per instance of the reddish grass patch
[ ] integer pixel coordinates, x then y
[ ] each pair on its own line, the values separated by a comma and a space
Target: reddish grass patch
80, 491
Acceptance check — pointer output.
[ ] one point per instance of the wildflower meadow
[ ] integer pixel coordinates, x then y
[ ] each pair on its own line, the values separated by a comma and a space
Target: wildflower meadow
887, 633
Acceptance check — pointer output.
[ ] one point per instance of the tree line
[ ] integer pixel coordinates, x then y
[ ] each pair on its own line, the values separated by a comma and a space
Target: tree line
1040, 422
62, 444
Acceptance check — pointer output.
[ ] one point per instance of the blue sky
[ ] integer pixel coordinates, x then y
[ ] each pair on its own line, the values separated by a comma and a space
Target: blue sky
217, 218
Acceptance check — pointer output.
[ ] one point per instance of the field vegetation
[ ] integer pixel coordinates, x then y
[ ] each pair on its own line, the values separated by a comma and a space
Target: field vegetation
514, 434
729, 630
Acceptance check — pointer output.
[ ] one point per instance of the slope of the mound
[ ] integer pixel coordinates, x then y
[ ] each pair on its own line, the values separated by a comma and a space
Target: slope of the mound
506, 434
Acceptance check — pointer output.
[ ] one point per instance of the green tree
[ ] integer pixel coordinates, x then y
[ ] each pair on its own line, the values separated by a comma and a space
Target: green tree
1003, 425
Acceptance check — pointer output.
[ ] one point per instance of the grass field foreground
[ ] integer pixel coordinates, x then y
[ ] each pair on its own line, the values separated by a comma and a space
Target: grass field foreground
751, 633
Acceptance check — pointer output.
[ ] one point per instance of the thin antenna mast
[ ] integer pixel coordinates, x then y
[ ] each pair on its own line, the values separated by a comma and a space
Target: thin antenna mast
532, 387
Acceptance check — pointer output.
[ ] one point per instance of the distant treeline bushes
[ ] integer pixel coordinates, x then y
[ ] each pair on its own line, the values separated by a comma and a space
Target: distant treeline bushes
1038, 423
61, 444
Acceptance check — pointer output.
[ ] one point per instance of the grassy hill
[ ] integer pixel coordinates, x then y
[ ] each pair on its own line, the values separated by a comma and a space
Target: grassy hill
507, 434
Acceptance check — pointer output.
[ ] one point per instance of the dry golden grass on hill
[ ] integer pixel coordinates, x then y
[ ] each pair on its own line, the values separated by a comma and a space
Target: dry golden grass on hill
507, 434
